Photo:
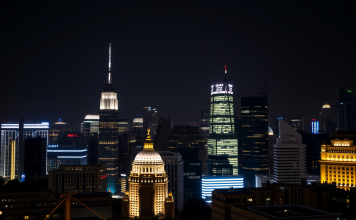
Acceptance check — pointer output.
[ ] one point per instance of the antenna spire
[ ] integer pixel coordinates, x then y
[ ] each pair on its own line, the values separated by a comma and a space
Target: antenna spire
225, 71
109, 73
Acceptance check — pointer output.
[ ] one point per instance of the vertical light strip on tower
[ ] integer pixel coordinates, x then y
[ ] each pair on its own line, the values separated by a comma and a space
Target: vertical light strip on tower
13, 158
109, 73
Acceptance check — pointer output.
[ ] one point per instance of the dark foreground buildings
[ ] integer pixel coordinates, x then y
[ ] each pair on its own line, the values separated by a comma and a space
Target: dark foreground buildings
346, 110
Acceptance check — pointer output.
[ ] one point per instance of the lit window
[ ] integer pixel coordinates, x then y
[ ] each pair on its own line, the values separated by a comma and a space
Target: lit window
249, 199
26, 217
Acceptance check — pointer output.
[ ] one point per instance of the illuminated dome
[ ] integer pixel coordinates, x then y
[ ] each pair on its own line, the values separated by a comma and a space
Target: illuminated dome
148, 158
326, 105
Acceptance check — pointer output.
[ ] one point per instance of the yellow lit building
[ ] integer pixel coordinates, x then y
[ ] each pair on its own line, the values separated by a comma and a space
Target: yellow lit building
338, 160
148, 186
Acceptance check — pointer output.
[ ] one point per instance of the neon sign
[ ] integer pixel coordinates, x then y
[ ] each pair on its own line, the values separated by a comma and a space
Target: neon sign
72, 135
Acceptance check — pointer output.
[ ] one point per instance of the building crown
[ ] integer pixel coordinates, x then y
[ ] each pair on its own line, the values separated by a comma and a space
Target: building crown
148, 145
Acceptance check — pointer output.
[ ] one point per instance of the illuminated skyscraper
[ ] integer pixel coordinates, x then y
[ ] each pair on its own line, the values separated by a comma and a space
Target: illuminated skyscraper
347, 110
108, 131
222, 140
150, 120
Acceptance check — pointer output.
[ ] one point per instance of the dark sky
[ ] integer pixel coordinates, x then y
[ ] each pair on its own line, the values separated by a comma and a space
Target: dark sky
165, 54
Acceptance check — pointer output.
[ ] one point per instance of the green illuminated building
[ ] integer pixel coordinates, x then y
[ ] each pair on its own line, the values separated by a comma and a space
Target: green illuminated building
222, 140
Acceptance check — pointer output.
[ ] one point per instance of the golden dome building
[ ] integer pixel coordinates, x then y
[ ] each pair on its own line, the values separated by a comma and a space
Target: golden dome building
147, 193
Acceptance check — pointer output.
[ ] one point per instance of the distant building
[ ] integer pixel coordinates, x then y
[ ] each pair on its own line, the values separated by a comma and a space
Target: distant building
314, 127
204, 123
312, 143
297, 123
308, 179
211, 183
222, 139
35, 157
219, 166
150, 120
173, 165
78, 179
92, 148
338, 160
59, 155
137, 127
163, 132
254, 138
15, 131
123, 126
90, 125
326, 126
57, 130
108, 131
346, 110
147, 192
289, 155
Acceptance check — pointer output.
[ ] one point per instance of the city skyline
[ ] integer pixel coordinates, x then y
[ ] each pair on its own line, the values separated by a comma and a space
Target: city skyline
60, 68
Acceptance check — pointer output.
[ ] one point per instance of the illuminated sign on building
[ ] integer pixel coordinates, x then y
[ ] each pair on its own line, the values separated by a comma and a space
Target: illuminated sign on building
22, 177
219, 182
53, 146
221, 88
72, 135
315, 127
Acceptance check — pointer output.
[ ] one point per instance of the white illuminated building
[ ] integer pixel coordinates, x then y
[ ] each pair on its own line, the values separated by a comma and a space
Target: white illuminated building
219, 182
148, 186
12, 130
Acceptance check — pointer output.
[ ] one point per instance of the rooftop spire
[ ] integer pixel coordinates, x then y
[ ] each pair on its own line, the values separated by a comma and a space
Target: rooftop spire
109, 73
225, 71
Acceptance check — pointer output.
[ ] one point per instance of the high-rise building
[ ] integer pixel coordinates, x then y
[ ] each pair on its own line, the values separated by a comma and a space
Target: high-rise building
219, 166
222, 140
90, 125
62, 155
297, 123
312, 143
163, 132
150, 120
204, 123
108, 131
326, 126
137, 127
254, 138
289, 155
346, 110
92, 148
123, 126
338, 160
173, 165
315, 127
147, 193
57, 130
35, 157
11, 132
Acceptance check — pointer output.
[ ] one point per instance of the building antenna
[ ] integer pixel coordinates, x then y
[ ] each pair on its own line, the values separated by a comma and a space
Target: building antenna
225, 71
109, 73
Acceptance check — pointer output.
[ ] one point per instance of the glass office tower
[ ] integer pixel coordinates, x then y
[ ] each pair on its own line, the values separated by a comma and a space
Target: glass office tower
222, 140
108, 132
254, 138
346, 110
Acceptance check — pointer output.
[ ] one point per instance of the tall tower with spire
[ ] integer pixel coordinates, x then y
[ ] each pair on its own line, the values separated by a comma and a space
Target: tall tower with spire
108, 131
222, 140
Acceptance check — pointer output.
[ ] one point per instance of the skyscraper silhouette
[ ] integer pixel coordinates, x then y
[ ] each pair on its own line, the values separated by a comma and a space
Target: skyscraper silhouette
346, 110
108, 131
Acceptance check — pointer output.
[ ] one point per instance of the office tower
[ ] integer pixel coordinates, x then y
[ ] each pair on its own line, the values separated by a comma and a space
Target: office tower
92, 148
147, 193
15, 131
173, 165
78, 179
222, 140
346, 110
73, 139
297, 123
219, 166
204, 123
289, 155
90, 125
210, 183
137, 127
314, 127
63, 155
254, 138
108, 131
150, 118
57, 130
163, 132
35, 157
271, 140
312, 143
123, 126
326, 126
338, 160
192, 178
124, 162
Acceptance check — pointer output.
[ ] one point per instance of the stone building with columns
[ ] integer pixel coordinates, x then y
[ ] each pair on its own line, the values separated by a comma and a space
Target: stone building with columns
147, 192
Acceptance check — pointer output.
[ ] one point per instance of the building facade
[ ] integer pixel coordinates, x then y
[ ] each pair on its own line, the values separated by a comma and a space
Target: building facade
78, 179
58, 155
150, 120
254, 138
222, 140
15, 131
338, 160
147, 193
289, 155
108, 131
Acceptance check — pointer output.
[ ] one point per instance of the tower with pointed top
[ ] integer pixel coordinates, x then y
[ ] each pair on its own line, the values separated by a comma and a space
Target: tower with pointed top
222, 140
108, 131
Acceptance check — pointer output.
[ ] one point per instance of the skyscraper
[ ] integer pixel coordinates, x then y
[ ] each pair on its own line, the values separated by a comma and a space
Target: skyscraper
254, 138
346, 110
222, 140
150, 120
297, 123
326, 126
137, 126
108, 131
204, 122
163, 132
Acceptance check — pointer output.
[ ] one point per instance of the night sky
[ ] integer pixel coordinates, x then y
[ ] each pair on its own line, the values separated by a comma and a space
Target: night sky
165, 54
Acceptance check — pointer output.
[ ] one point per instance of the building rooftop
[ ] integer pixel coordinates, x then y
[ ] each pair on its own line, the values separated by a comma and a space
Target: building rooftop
289, 212
350, 135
